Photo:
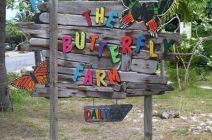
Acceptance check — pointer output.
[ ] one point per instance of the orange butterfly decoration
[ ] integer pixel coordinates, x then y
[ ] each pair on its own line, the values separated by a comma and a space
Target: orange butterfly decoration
38, 76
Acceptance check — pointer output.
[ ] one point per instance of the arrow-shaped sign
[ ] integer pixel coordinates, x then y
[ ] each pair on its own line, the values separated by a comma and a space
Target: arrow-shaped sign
106, 113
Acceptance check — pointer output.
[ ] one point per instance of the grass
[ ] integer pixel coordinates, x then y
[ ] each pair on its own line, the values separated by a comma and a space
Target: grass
30, 118
181, 131
87, 129
191, 100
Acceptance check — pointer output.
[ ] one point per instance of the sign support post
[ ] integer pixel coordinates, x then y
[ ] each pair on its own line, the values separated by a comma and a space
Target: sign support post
148, 117
53, 89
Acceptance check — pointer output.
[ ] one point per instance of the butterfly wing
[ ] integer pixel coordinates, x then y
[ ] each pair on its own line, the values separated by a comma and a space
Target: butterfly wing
130, 3
40, 73
25, 82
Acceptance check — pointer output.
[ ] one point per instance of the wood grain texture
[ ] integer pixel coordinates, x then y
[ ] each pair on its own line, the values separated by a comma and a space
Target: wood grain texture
110, 35
53, 78
125, 77
105, 63
38, 44
79, 20
69, 93
126, 61
92, 92
148, 117
70, 71
77, 7
145, 66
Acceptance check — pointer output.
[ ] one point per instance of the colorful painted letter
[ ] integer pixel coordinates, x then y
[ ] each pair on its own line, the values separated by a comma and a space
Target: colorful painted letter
113, 76
100, 76
111, 19
77, 72
102, 45
100, 15
167, 44
140, 43
88, 78
93, 39
114, 54
87, 17
98, 114
126, 43
80, 44
152, 53
66, 43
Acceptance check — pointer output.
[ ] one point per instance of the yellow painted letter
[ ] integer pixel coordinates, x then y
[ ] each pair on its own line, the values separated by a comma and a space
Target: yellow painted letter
100, 76
100, 15
152, 50
80, 44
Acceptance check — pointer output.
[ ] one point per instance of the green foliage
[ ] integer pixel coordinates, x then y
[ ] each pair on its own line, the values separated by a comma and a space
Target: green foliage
10, 4
209, 9
18, 96
172, 75
184, 10
13, 29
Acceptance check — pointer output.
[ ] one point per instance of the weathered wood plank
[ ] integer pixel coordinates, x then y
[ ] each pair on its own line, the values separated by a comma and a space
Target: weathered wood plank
136, 92
112, 36
142, 55
126, 62
77, 7
95, 88
150, 87
144, 66
67, 63
68, 93
93, 60
39, 44
151, 69
142, 78
79, 20
124, 76
43, 44
143, 87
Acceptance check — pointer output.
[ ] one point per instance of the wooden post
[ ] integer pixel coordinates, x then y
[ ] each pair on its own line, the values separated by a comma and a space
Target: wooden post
37, 57
147, 117
162, 63
53, 88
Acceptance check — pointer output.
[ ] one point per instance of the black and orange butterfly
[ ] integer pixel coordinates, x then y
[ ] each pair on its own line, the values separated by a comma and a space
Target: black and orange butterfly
38, 76
156, 15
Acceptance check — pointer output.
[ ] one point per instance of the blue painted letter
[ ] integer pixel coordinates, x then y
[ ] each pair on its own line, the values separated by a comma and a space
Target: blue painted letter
77, 72
140, 43
111, 19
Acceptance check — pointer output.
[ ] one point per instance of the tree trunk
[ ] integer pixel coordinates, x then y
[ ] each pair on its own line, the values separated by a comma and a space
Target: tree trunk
4, 94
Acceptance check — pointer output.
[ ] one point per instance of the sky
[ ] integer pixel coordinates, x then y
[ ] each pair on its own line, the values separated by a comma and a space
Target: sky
10, 13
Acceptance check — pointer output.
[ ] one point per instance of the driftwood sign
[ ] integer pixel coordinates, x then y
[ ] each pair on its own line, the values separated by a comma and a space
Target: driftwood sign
106, 113
107, 49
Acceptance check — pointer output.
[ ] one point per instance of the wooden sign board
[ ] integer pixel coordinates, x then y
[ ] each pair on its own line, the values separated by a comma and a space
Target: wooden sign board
100, 56
106, 113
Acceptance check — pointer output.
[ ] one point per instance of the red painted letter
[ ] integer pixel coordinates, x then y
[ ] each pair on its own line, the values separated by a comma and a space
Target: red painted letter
87, 115
113, 76
126, 43
87, 17
66, 43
